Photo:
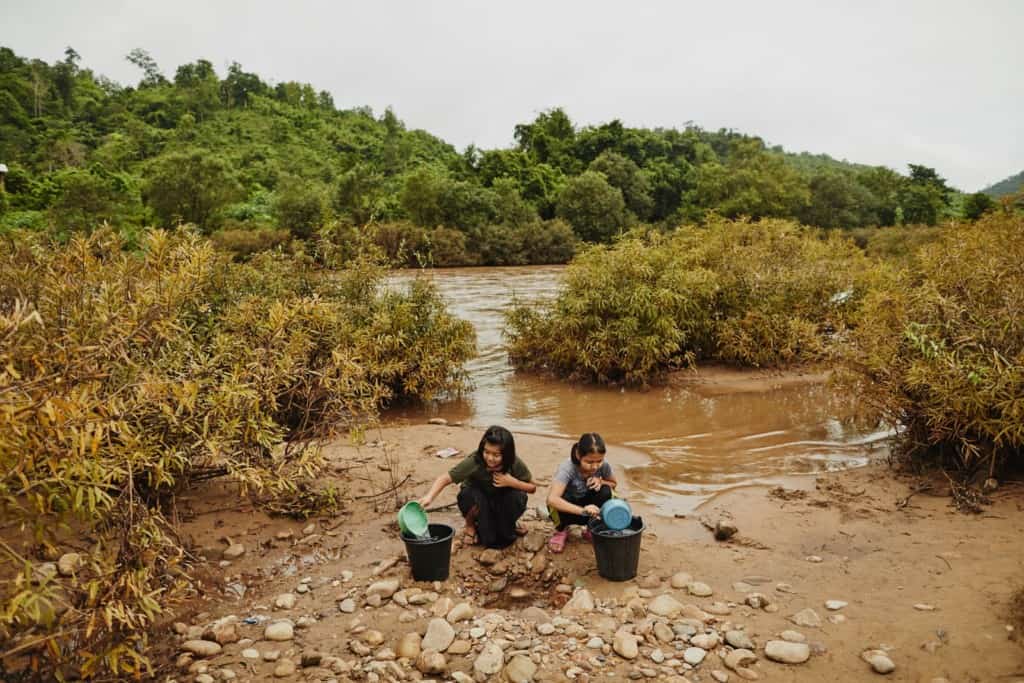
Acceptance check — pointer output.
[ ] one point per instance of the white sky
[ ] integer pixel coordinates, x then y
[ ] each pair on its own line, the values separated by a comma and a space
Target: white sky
934, 82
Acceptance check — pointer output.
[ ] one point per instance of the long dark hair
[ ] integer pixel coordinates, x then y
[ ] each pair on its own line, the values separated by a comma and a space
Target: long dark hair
591, 442
502, 438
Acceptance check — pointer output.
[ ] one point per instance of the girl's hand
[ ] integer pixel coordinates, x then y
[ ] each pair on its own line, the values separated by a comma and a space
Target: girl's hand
595, 483
591, 510
503, 479
425, 501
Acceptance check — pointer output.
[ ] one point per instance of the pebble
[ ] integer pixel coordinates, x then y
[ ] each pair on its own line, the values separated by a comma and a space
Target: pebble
440, 608
813, 558
739, 658
787, 652
835, 604
461, 612
250, 653
490, 660
580, 602
720, 676
68, 563
440, 635
807, 618
348, 605
520, 669
201, 648
663, 633
924, 607
205, 678
409, 646
459, 647
657, 656
385, 588
665, 606
680, 580
477, 632
271, 655
739, 639
625, 645
705, 641
699, 589
279, 630
302, 589
285, 601
837, 618
694, 655
545, 629
234, 551
431, 662
791, 636
285, 668
595, 643
879, 661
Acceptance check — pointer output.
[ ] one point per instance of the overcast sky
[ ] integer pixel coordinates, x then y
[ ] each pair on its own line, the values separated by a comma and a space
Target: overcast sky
933, 82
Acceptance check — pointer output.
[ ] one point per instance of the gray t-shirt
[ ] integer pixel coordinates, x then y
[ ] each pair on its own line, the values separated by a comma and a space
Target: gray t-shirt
575, 482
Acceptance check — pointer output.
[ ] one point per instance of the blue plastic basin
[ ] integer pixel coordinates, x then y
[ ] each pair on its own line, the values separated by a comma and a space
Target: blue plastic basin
616, 514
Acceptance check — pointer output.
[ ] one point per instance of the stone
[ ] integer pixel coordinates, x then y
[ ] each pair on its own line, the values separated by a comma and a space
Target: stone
205, 678
534, 541
739, 658
442, 607
657, 656
787, 652
694, 655
663, 633
837, 618
545, 629
490, 660
431, 662
725, 529
310, 659
520, 669
757, 600
595, 643
459, 647
699, 589
680, 580
742, 587
535, 614
720, 676
793, 636
234, 551
924, 607
285, 601
815, 559
284, 668
581, 602
625, 645
739, 639
372, 637
223, 632
807, 618
665, 606
250, 653
705, 641
460, 677
461, 612
348, 606
201, 648
302, 589
879, 661
437, 421
374, 600
279, 630
489, 557
409, 646
440, 635
385, 588
835, 604
68, 564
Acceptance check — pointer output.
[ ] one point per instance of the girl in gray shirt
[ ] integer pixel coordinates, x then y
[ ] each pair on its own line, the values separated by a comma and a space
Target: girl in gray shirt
581, 485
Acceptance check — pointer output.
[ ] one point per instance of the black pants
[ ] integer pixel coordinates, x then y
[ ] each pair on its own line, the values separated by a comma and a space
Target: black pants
497, 513
592, 497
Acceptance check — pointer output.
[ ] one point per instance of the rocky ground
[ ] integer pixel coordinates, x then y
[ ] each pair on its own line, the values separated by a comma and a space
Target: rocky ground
848, 576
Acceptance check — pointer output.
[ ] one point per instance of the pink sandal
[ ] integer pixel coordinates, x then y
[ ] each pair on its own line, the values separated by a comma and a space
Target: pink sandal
587, 536
557, 541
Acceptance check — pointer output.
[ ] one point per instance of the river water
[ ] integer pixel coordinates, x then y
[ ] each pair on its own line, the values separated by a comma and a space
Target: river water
698, 437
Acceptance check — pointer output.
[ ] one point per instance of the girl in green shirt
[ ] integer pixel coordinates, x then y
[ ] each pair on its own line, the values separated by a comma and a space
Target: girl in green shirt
494, 484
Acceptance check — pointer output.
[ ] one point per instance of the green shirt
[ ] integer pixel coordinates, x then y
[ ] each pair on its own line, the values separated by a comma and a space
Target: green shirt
472, 472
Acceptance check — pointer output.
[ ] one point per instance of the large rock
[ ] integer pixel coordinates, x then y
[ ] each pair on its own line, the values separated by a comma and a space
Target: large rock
520, 669
440, 635
787, 652
665, 606
489, 661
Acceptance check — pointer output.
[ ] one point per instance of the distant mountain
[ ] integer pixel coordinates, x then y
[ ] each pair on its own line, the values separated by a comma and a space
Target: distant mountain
1005, 187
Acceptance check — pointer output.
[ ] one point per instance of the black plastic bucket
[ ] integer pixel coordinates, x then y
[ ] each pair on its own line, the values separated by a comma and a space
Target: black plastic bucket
617, 552
430, 556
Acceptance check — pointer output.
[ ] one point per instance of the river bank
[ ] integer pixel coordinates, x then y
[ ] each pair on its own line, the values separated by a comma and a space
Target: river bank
929, 586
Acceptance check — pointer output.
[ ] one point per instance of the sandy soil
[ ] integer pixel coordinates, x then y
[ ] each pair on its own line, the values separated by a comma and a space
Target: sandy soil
861, 536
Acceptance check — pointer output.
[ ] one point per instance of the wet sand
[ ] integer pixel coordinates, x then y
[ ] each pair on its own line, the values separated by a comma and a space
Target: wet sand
861, 536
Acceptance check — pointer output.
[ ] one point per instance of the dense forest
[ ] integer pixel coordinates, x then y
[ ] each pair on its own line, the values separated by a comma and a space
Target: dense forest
257, 165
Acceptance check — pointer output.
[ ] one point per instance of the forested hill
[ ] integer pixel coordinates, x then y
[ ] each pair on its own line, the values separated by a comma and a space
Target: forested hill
1011, 185
256, 163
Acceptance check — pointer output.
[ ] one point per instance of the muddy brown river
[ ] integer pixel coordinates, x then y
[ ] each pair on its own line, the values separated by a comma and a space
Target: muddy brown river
696, 437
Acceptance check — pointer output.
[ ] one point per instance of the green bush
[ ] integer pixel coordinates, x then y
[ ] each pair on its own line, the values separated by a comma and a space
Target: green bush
941, 350
127, 377
243, 243
764, 293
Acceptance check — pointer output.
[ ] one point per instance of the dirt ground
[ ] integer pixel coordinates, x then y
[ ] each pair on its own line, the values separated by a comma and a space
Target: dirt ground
929, 585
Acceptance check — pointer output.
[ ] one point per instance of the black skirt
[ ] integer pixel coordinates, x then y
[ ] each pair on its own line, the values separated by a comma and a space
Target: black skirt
497, 513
